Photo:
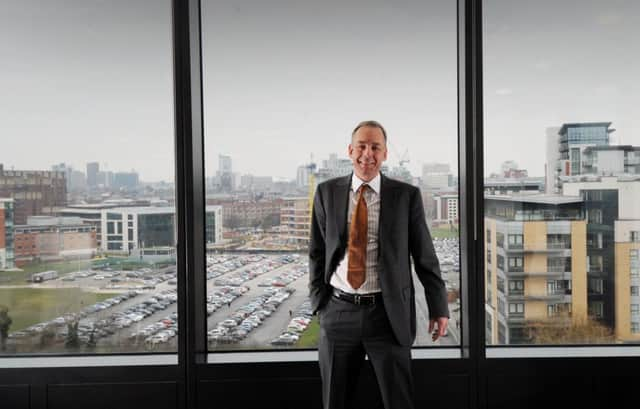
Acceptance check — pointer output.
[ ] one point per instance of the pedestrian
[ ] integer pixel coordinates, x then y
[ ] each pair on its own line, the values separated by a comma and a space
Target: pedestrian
364, 229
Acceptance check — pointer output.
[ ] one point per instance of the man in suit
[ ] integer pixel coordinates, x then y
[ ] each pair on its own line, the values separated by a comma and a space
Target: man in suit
365, 228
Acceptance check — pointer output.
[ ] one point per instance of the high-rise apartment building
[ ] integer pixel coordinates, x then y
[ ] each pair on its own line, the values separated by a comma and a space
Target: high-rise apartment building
535, 266
571, 141
627, 280
613, 226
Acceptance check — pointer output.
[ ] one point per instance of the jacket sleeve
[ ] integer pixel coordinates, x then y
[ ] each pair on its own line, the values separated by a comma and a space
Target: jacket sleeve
425, 259
318, 289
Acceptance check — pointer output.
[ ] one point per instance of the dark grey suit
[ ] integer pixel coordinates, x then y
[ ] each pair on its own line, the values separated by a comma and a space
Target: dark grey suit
403, 234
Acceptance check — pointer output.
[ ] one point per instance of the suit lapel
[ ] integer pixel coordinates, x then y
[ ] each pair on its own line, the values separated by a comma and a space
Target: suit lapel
341, 200
387, 211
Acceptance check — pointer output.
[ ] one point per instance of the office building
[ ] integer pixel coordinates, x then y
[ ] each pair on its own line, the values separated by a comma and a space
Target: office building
48, 238
446, 208
93, 168
295, 220
6, 234
126, 180
334, 167
35, 192
507, 186
436, 176
611, 160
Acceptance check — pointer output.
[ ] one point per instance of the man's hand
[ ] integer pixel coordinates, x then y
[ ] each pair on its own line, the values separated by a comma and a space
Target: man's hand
438, 327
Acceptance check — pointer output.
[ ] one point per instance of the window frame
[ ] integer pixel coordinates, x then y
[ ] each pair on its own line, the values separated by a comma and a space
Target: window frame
192, 372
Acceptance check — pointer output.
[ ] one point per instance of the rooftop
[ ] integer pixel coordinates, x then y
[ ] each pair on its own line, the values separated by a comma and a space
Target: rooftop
564, 128
612, 148
536, 198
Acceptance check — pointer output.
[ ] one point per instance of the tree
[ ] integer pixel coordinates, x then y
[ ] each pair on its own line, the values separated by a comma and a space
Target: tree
47, 337
72, 341
5, 324
563, 330
92, 338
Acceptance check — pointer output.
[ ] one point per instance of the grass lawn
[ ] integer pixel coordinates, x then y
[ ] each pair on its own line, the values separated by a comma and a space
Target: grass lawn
62, 267
126, 263
444, 233
309, 338
14, 277
28, 306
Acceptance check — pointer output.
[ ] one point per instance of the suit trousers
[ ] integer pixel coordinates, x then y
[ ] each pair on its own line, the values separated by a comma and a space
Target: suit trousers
347, 333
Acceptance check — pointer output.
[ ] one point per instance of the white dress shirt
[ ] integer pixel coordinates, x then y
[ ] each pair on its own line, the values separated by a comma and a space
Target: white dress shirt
372, 198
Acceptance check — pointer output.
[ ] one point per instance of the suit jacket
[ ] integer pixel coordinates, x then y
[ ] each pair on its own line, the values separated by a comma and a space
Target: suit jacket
402, 234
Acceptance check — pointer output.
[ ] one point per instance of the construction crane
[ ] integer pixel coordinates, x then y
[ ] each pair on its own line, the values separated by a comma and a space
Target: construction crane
311, 167
402, 159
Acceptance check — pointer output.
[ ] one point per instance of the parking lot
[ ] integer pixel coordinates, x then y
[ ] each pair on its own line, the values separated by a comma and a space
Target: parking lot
254, 301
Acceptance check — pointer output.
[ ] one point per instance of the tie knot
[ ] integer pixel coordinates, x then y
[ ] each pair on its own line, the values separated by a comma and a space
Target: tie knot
364, 187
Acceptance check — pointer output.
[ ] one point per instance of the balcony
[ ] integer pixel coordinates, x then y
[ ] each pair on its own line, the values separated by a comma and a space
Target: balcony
556, 297
594, 268
540, 274
535, 248
514, 247
558, 245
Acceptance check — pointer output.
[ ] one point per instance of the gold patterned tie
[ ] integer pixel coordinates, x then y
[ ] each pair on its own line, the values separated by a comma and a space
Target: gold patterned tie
358, 241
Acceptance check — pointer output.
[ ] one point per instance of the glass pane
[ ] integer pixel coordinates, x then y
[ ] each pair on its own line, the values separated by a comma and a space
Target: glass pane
562, 149
87, 243
285, 84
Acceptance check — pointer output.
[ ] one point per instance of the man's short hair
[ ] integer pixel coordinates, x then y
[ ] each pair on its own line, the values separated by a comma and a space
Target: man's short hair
372, 124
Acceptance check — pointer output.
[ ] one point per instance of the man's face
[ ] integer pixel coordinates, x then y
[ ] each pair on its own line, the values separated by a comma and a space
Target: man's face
367, 152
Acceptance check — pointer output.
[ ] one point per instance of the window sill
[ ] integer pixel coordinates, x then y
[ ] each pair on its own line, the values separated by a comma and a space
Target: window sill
563, 352
87, 361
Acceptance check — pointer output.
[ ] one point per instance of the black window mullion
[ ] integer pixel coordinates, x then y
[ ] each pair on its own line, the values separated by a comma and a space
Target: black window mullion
190, 206
470, 159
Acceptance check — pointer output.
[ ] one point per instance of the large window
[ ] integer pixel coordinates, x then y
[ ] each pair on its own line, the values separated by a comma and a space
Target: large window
87, 243
284, 86
560, 137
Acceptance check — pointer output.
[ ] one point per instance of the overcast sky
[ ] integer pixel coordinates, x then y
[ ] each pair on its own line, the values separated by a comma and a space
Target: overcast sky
89, 80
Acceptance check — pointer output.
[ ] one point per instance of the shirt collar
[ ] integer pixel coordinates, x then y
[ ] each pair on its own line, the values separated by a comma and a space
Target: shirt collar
374, 183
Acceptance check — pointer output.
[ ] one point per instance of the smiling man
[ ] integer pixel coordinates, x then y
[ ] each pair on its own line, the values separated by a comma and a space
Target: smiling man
365, 228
